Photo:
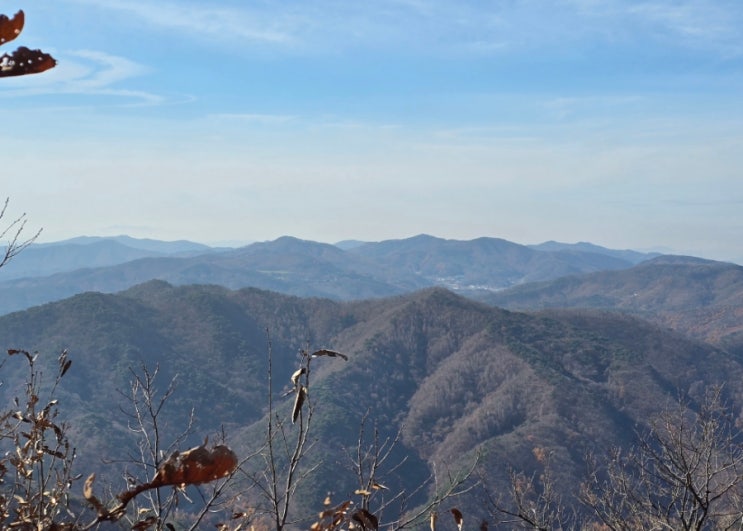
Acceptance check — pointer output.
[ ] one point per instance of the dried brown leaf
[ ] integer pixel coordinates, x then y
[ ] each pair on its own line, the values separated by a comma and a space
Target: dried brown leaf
10, 28
368, 521
195, 466
88, 487
298, 402
458, 518
145, 524
65, 368
88, 495
330, 353
25, 61
55, 453
295, 377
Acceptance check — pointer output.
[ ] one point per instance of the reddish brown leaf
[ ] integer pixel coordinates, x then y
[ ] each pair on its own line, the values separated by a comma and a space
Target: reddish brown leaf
10, 28
25, 61
13, 351
195, 466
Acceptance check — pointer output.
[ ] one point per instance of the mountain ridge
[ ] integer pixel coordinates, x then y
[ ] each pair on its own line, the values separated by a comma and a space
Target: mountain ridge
303, 268
700, 298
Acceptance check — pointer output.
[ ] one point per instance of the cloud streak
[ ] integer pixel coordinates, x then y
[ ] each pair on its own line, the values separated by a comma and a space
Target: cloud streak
449, 26
696, 24
86, 72
203, 21
252, 118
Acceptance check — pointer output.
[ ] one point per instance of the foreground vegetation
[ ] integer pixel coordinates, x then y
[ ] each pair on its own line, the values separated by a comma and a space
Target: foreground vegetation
685, 472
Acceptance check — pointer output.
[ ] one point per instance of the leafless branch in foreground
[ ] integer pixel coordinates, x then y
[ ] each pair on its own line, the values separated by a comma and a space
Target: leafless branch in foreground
13, 232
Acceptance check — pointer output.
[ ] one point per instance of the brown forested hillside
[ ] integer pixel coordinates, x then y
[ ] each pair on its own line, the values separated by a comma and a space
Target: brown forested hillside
457, 377
699, 298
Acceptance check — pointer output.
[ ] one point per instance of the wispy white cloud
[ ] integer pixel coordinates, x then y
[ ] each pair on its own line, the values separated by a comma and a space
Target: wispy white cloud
564, 107
260, 119
712, 26
437, 26
108, 69
205, 20
85, 72
696, 23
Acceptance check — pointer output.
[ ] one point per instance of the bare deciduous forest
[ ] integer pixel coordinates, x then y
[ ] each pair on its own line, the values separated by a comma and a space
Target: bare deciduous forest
480, 444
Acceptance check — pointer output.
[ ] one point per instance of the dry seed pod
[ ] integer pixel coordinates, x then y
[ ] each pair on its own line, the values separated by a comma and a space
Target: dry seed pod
457, 517
298, 402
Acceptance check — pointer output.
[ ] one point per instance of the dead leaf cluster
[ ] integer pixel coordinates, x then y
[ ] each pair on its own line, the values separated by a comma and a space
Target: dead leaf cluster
23, 60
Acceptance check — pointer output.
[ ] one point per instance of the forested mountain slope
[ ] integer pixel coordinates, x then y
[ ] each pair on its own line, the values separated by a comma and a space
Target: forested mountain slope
700, 298
457, 377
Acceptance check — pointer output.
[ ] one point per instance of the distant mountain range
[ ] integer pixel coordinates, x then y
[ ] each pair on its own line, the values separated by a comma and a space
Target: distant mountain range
468, 347
43, 259
584, 247
347, 271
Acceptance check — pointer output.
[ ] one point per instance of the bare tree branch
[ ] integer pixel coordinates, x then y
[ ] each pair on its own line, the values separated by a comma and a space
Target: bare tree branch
13, 232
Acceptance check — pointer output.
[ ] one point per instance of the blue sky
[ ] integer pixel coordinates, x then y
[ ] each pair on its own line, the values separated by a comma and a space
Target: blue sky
615, 122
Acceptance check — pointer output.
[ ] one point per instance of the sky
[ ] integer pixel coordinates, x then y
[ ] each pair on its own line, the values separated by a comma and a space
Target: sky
618, 122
